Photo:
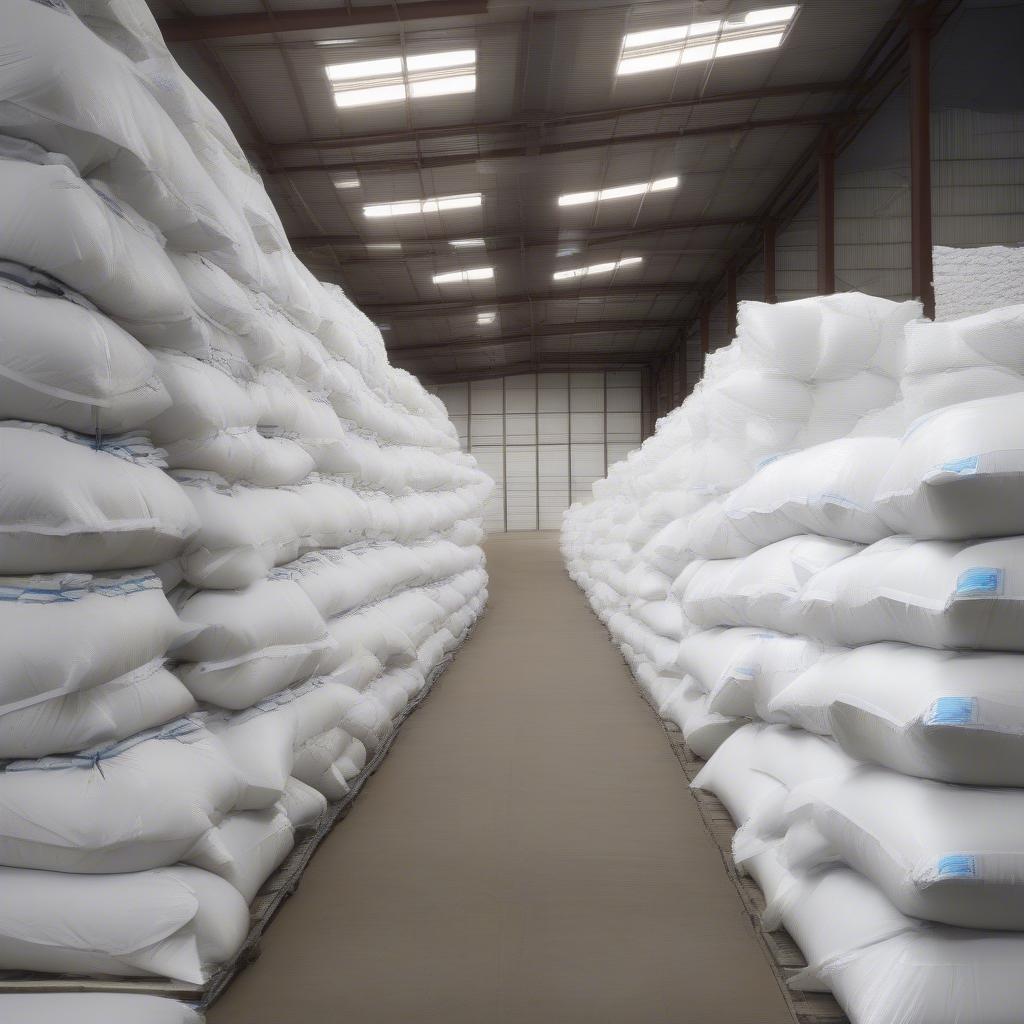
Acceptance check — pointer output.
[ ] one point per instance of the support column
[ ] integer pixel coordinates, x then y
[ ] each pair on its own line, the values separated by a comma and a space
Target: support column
921, 160
770, 294
827, 214
730, 300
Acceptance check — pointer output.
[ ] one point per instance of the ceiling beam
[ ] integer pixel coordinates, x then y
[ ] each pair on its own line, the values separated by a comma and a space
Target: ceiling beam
457, 345
221, 26
544, 361
429, 135
422, 307
566, 237
543, 122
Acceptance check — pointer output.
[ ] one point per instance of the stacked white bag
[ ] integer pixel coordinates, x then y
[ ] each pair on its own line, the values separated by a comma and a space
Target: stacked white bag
235, 543
850, 661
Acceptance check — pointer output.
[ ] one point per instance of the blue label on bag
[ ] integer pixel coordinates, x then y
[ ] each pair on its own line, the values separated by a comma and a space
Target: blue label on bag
956, 865
962, 466
979, 580
952, 711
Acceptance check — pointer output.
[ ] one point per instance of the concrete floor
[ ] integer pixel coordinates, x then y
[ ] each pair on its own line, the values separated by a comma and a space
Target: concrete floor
527, 854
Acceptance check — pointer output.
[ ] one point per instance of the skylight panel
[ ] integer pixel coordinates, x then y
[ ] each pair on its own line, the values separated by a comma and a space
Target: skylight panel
662, 48
438, 204
618, 192
596, 268
364, 83
476, 274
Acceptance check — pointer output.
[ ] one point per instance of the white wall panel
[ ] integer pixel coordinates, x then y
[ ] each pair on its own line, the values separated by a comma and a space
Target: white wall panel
545, 438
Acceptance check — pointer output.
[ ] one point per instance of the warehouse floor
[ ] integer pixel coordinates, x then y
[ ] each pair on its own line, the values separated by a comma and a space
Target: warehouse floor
527, 853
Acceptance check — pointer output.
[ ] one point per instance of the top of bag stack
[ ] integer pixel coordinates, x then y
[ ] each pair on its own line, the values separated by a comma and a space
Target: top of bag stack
235, 543
815, 569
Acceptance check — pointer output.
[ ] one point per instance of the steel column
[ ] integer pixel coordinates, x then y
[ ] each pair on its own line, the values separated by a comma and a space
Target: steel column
770, 294
827, 215
730, 300
920, 159
705, 330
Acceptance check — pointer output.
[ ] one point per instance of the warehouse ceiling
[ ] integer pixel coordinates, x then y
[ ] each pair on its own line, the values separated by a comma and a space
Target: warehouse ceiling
497, 109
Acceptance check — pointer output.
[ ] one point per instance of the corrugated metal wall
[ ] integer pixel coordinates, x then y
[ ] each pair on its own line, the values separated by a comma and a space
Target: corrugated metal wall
545, 438
977, 176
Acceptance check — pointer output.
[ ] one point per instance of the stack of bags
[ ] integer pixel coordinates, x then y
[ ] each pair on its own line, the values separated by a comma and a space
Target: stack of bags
799, 373
235, 544
850, 661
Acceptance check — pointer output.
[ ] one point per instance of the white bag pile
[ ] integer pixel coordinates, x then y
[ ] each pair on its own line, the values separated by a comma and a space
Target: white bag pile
235, 543
838, 631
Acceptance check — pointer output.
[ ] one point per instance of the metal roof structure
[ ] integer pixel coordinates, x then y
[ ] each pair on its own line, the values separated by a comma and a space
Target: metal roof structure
548, 116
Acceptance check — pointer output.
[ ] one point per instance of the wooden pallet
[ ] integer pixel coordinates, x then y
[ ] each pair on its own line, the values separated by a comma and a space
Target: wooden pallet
278, 887
782, 952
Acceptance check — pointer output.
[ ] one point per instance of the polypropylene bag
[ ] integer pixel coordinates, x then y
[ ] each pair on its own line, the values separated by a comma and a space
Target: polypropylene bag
244, 531
885, 968
931, 593
828, 489
765, 588
63, 362
108, 626
253, 642
249, 846
95, 1008
951, 854
141, 803
954, 716
71, 503
139, 700
959, 473
177, 923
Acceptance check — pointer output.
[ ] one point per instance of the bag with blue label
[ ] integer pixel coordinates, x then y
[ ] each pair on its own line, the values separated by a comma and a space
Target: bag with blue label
959, 473
941, 594
953, 716
884, 967
951, 854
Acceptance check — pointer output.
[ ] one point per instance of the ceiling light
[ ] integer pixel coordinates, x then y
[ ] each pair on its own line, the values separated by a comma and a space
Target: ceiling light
618, 192
467, 243
596, 268
383, 327
483, 319
662, 48
383, 246
346, 181
438, 204
364, 83
334, 42
477, 274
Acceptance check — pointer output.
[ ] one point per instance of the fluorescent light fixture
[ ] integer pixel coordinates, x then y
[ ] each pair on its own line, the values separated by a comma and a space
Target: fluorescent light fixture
662, 48
467, 243
383, 327
439, 204
383, 246
618, 192
596, 268
346, 181
334, 42
364, 83
483, 319
477, 274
